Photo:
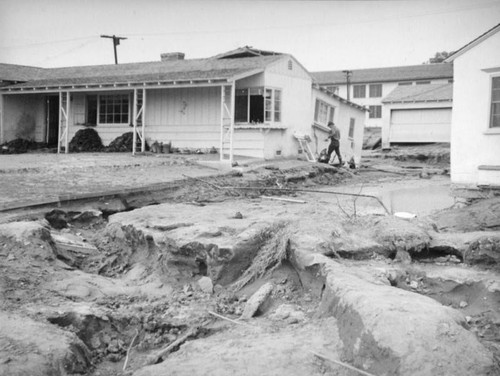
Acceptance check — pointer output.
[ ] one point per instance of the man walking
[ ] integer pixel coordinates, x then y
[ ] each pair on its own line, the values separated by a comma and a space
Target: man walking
334, 142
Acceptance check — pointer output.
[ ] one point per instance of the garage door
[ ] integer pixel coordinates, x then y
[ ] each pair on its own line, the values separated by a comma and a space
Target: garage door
421, 125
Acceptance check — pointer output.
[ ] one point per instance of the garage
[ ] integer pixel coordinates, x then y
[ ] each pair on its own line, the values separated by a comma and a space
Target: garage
417, 114
420, 125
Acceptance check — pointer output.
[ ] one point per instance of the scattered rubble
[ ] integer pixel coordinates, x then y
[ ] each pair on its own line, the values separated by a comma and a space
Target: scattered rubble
85, 140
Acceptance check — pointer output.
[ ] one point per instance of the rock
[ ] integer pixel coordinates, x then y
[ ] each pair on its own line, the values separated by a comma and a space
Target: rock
391, 331
37, 348
58, 219
206, 285
413, 285
238, 215
463, 304
257, 300
398, 234
289, 312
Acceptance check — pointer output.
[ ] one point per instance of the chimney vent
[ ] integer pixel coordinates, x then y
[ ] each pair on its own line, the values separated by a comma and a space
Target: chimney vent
171, 56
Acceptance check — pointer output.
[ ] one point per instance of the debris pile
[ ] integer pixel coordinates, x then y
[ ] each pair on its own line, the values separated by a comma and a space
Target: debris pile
123, 143
86, 140
19, 146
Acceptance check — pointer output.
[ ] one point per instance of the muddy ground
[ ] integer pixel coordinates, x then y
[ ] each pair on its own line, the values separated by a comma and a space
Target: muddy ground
269, 269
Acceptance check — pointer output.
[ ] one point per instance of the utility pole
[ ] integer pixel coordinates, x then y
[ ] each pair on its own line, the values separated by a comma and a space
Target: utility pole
348, 74
116, 42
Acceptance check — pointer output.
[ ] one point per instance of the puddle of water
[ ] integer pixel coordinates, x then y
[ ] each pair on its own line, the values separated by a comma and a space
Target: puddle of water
420, 200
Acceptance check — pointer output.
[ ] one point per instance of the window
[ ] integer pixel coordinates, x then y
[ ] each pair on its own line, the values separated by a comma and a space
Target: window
333, 89
290, 65
375, 90
495, 103
92, 109
359, 91
257, 105
404, 83
114, 109
323, 113
375, 112
352, 124
423, 82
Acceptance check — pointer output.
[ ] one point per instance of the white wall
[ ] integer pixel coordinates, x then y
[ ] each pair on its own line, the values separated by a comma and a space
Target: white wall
435, 127
349, 147
387, 88
15, 106
472, 142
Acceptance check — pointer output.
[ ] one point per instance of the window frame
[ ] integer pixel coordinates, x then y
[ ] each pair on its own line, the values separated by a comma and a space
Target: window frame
352, 128
492, 128
358, 86
99, 98
378, 111
376, 94
319, 108
273, 110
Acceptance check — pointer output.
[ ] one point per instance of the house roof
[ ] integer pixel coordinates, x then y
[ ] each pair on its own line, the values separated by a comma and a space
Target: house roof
150, 72
473, 43
245, 51
420, 93
19, 73
387, 74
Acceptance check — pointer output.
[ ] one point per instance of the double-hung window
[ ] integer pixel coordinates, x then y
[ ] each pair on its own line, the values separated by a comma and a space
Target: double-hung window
375, 112
323, 112
495, 103
257, 105
375, 90
359, 91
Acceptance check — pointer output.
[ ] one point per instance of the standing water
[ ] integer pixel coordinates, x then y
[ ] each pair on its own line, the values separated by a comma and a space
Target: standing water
419, 201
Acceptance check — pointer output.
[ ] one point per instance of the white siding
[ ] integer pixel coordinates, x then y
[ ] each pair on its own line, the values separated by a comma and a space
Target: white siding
471, 109
187, 117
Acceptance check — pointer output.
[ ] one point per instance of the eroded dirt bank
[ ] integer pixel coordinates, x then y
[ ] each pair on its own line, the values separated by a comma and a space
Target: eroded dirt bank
162, 289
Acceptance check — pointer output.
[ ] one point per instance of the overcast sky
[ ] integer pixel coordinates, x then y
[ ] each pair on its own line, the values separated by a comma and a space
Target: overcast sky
322, 35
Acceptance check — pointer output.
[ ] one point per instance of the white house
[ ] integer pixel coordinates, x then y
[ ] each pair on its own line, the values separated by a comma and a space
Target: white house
367, 87
475, 130
246, 102
417, 114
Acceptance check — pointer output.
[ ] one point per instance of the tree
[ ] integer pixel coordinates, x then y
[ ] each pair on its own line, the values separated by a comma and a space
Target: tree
439, 57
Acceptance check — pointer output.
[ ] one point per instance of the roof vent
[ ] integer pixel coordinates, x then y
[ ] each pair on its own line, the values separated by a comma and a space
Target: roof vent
170, 56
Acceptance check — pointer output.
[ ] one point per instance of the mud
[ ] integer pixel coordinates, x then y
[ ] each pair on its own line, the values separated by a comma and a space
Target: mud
100, 276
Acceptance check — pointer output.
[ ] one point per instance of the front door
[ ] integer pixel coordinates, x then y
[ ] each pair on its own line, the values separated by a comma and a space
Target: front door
52, 120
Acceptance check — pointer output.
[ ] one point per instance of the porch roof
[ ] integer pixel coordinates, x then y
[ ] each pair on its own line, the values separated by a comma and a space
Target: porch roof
187, 72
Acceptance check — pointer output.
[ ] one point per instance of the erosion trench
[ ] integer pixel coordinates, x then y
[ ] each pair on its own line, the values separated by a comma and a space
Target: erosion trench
207, 280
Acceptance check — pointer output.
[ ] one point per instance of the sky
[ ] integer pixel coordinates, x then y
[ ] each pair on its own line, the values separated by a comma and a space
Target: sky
322, 35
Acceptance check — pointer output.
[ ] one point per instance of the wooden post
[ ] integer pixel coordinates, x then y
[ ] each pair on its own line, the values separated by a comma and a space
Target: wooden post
222, 122
59, 120
1, 119
66, 143
143, 121
134, 121
231, 132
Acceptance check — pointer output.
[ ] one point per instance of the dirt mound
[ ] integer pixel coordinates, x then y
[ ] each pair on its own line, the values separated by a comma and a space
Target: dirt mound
122, 247
86, 139
122, 143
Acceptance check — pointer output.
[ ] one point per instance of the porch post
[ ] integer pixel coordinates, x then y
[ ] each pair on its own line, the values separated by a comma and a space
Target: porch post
231, 132
66, 143
59, 131
1, 119
221, 149
134, 121
143, 121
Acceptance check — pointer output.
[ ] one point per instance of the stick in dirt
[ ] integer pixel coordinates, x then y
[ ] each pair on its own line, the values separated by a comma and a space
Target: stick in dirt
341, 363
157, 357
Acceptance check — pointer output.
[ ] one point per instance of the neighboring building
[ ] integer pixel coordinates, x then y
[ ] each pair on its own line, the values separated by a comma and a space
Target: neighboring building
247, 102
475, 128
368, 87
417, 114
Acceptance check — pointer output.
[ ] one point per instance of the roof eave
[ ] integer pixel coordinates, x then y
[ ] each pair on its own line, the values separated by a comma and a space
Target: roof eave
472, 44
